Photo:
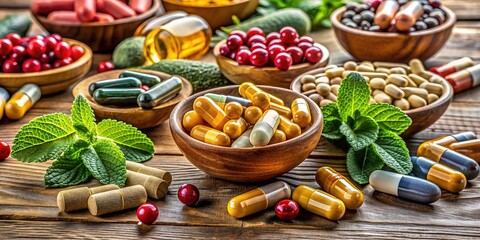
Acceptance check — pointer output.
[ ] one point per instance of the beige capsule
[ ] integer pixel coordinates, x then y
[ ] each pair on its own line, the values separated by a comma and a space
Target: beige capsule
372, 101
416, 66
398, 80
411, 83
426, 74
307, 79
367, 79
398, 70
402, 104
416, 101
323, 89
325, 102
309, 92
334, 72
394, 91
350, 65
417, 79
337, 80
308, 86
436, 79
322, 79
316, 98
423, 93
365, 68
383, 70
377, 83
432, 98
334, 88
382, 98
331, 66
331, 97
367, 63
377, 91
368, 74
434, 88
390, 65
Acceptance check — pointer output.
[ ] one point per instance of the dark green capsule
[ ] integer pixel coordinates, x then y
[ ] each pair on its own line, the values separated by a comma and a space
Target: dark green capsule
117, 96
127, 82
160, 93
147, 79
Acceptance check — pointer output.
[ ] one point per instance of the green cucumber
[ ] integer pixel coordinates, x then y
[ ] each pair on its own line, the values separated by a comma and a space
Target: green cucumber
15, 24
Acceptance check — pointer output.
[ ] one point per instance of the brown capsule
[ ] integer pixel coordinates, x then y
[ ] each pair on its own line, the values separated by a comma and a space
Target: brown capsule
252, 114
156, 172
155, 187
77, 198
350, 65
234, 110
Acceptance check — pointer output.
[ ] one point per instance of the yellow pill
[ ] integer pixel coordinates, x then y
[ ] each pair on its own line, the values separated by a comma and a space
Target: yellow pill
22, 101
290, 128
319, 202
191, 119
334, 72
339, 186
275, 99
377, 83
235, 128
301, 112
252, 114
393, 91
210, 135
434, 88
251, 92
210, 112
402, 104
233, 110
278, 137
282, 110
416, 101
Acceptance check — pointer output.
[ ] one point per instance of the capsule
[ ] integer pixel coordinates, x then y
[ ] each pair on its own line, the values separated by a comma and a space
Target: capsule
4, 96
264, 129
408, 187
258, 199
443, 176
235, 128
191, 119
243, 141
233, 110
339, 186
408, 15
290, 128
117, 96
127, 82
160, 93
465, 79
446, 141
453, 66
282, 110
278, 137
470, 148
301, 112
276, 100
221, 100
319, 202
146, 79
451, 158
252, 114
22, 101
251, 92
385, 13
210, 112
210, 135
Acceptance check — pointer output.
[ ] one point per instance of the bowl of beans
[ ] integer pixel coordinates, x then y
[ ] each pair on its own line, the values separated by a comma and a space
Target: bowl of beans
393, 31
422, 95
246, 133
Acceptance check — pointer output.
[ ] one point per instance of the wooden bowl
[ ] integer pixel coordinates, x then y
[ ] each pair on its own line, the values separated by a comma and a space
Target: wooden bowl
270, 76
421, 117
247, 164
136, 116
215, 15
54, 80
392, 47
101, 37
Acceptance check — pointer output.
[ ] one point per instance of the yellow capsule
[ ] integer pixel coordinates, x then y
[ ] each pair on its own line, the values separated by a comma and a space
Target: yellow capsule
319, 202
264, 129
443, 176
235, 128
339, 186
4, 96
210, 135
233, 110
448, 140
290, 128
191, 119
275, 99
301, 112
251, 92
22, 101
252, 114
210, 112
278, 137
282, 110
470, 148
258, 199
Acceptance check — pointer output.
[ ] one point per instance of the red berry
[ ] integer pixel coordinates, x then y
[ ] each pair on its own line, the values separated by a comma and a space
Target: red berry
304, 46
44, 58
46, 66
272, 36
296, 53
313, 54
234, 42
240, 33
256, 39
36, 48
57, 64
11, 66
31, 65
4, 150
14, 38
77, 52
50, 42
224, 50
6, 47
37, 37
24, 42
233, 55
62, 62
274, 50
51, 56
147, 213
243, 57
287, 210
145, 87
104, 66
283, 61
255, 31
306, 39
259, 57
275, 42
188, 194
435, 3
19, 53
56, 36
62, 50
288, 34
257, 45
375, 3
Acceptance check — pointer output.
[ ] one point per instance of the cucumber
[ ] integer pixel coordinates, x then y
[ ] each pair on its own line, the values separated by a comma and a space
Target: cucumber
129, 53
201, 75
15, 24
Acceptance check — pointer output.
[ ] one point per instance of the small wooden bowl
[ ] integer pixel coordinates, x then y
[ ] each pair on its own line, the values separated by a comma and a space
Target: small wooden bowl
247, 164
422, 117
392, 47
216, 15
270, 76
101, 37
54, 80
136, 116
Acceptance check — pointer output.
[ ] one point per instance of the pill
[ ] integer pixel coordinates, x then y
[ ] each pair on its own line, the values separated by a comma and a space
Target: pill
160, 93
234, 110
408, 187
275, 99
258, 199
446, 141
290, 128
210, 112
301, 112
308, 86
156, 172
411, 83
339, 186
126, 82
4, 96
365, 68
408, 15
426, 74
398, 80
243, 141
146, 79
453, 66
22, 101
334, 89
367, 63
44, 7
252, 114
307, 79
140, 6
331, 66
278, 137
69, 17
383, 70
423, 93
398, 70
436, 79
325, 102
385, 13
117, 96
367, 79
377, 91
377, 83
235, 128
336, 81
334, 72
432, 98
282, 110
117, 200
221, 100
402, 104
350, 65
309, 92
416, 101
416, 66
323, 89
77, 198
319, 202
265, 128
316, 98
432, 87
332, 97
368, 74
156, 187
394, 91
382, 98
371, 101
258, 97
443, 176
210, 135
117, 9
191, 119
469, 148
390, 65
417, 79
322, 80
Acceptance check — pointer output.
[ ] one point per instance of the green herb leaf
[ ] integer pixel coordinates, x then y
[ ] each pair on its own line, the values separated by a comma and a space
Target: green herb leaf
388, 117
331, 122
363, 133
360, 164
106, 162
136, 146
44, 138
83, 119
393, 151
353, 95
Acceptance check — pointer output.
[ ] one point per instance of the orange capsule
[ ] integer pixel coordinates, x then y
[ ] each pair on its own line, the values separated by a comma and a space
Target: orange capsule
469, 148
290, 128
251, 92
301, 112
233, 110
319, 202
210, 112
252, 114
282, 110
235, 128
191, 119
278, 137
339, 186
210, 135
276, 100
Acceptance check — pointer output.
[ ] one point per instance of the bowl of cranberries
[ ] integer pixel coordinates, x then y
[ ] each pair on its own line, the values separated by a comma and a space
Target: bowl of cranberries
273, 59
52, 62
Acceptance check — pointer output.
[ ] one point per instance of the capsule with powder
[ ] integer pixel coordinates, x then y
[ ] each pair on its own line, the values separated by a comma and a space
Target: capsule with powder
155, 187
117, 200
156, 172
77, 198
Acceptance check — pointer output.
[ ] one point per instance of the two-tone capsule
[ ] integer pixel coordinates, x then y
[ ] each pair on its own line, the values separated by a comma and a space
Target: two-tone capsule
290, 128
449, 139
146, 79
191, 119
210, 112
319, 202
251, 92
408, 187
22, 101
4, 96
222, 100
470, 148
210, 135
443, 176
301, 112
264, 129
234, 128
243, 141
339, 186
127, 82
160, 93
117, 96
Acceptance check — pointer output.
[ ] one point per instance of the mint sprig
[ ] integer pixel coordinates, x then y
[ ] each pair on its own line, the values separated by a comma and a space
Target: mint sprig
81, 149
371, 130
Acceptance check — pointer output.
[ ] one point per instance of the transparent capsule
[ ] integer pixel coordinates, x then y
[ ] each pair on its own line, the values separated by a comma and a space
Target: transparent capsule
445, 177
319, 202
210, 112
210, 135
339, 186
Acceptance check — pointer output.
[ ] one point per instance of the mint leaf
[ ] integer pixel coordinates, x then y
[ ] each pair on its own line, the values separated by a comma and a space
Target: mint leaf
388, 117
136, 146
360, 164
44, 138
363, 133
353, 95
83, 119
331, 122
105, 162
393, 151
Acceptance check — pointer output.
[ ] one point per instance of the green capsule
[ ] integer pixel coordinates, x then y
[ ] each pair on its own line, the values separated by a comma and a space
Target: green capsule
117, 96
126, 82
160, 93
147, 79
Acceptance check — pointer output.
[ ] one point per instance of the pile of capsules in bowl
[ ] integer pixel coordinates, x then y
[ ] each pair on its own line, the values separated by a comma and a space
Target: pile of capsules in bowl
219, 119
404, 86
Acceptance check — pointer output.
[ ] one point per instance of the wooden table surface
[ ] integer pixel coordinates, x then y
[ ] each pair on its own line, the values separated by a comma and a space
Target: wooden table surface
28, 209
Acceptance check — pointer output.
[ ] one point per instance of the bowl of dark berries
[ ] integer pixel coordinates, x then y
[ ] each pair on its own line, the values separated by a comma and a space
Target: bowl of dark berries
393, 31
273, 59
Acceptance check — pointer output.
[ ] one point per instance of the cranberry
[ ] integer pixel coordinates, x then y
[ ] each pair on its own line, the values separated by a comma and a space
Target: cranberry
51, 56
375, 3
57, 64
24, 42
14, 38
288, 34
62, 62
313, 54
104, 66
274, 50
147, 213
11, 66
145, 87
283, 61
275, 42
257, 45
234, 42
77, 52
272, 36
50, 42
37, 37
240, 33
56, 36
259, 57
255, 31
305, 39
287, 210
435, 3
31, 65
304, 46
233, 55
243, 57
6, 47
256, 39
224, 50
46, 66
36, 48
296, 53
62, 50
4, 150
44, 58
188, 194
19, 53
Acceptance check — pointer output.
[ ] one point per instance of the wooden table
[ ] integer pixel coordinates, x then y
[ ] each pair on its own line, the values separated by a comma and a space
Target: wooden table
28, 209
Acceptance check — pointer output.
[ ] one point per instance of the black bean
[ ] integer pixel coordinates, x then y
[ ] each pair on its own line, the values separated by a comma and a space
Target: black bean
350, 6
367, 15
365, 23
362, 8
412, 29
439, 16
427, 9
439, 10
419, 25
374, 28
402, 2
348, 14
357, 19
431, 22
351, 24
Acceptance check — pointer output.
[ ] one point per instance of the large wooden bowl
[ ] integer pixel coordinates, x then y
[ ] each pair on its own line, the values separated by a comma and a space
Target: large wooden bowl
215, 15
136, 116
421, 117
392, 47
247, 164
54, 80
270, 76
101, 37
